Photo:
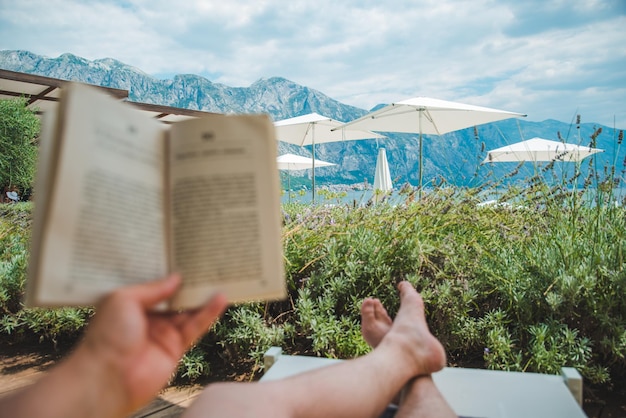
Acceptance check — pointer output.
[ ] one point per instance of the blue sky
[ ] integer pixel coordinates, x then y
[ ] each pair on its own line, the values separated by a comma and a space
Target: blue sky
551, 59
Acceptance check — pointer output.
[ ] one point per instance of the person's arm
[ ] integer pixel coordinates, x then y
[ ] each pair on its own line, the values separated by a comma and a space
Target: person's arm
127, 355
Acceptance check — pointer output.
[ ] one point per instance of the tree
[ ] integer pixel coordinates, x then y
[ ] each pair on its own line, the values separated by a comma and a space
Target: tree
19, 127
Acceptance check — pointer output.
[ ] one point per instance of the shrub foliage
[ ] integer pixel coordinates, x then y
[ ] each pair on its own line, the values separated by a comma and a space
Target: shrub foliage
19, 127
533, 285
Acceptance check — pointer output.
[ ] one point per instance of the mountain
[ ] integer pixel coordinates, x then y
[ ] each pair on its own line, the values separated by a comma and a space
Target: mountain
454, 157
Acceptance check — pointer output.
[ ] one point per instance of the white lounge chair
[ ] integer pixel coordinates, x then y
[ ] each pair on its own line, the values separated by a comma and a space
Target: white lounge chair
474, 392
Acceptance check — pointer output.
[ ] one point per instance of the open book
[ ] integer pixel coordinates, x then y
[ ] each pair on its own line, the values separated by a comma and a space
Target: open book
121, 198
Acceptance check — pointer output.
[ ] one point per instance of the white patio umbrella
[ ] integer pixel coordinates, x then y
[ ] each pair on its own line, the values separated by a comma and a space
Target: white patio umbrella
298, 162
424, 115
382, 176
292, 162
539, 149
314, 129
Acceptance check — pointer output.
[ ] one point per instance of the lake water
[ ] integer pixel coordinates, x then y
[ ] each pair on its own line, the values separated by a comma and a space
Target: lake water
348, 197
361, 197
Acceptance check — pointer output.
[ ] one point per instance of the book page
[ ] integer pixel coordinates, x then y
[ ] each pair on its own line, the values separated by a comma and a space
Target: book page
105, 223
225, 209
41, 196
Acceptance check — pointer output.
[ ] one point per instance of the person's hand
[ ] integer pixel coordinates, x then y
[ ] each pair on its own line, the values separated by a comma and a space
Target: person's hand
138, 347
128, 354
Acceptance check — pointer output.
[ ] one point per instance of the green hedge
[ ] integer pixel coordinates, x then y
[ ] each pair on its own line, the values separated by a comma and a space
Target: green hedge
18, 325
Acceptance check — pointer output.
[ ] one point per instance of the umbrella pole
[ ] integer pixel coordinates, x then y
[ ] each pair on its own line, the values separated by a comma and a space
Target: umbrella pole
419, 189
289, 185
313, 153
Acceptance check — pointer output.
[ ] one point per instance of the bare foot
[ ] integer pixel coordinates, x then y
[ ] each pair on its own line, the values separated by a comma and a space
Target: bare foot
375, 321
409, 334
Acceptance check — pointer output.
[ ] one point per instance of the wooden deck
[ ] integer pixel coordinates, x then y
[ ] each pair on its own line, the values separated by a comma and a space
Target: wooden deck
22, 369
171, 403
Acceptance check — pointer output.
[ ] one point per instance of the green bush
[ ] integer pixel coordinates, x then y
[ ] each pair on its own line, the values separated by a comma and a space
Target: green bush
533, 286
14, 236
17, 324
193, 365
19, 127
248, 333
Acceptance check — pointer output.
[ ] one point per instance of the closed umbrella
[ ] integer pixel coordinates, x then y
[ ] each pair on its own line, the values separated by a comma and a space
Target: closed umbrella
314, 129
539, 149
424, 115
382, 176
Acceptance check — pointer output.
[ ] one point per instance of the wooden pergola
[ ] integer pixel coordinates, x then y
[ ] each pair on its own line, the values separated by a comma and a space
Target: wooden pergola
42, 94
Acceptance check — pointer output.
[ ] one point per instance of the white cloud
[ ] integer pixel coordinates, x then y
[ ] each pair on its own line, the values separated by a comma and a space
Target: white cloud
549, 59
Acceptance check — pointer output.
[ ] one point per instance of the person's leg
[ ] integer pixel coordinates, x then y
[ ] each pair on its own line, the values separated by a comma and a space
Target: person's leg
421, 398
361, 387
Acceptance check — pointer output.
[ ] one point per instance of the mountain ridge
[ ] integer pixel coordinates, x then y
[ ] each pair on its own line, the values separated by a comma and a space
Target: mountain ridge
454, 157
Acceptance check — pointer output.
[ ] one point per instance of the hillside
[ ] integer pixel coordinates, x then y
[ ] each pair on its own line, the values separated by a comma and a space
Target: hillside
454, 157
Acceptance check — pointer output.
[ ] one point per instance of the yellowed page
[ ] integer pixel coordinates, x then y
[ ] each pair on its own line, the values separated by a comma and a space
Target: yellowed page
225, 209
105, 226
